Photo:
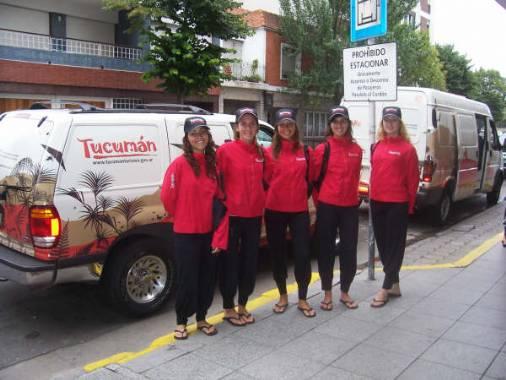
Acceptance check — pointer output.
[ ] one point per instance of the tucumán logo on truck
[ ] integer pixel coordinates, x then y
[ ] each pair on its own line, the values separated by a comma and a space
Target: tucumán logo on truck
107, 149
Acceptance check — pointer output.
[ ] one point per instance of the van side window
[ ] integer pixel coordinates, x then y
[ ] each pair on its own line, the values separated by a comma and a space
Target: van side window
481, 125
493, 139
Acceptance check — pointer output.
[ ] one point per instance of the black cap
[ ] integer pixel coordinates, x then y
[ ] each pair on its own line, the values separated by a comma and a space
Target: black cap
194, 122
338, 111
392, 112
285, 114
245, 111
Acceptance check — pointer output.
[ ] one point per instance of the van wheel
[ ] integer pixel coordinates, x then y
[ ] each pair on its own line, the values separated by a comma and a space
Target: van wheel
441, 210
140, 277
493, 196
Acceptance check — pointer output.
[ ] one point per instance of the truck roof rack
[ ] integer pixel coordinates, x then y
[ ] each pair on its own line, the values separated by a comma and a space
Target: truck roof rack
46, 104
175, 108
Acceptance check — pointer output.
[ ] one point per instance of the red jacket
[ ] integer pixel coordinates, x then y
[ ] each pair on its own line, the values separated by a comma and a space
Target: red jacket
243, 171
189, 198
287, 179
340, 185
395, 173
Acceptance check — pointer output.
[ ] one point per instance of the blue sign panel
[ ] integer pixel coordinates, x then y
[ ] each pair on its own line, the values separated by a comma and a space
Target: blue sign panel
368, 19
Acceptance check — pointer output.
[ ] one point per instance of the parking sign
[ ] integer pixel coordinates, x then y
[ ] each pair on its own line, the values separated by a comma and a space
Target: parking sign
368, 19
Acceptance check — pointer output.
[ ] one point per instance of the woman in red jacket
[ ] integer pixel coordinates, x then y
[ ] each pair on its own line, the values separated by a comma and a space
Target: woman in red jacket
242, 166
393, 187
338, 205
187, 194
287, 206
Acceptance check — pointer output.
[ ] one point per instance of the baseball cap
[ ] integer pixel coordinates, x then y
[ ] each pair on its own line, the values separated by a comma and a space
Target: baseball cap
285, 114
193, 122
245, 111
338, 111
392, 112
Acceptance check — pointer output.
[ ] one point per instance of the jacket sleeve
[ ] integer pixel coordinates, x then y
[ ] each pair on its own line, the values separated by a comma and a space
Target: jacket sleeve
413, 177
170, 187
269, 165
317, 160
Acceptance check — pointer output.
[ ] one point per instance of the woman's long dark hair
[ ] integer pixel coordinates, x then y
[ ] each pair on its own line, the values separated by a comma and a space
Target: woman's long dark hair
276, 142
209, 154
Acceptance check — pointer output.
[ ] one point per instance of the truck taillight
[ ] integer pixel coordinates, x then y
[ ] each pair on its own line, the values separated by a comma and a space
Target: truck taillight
428, 170
45, 226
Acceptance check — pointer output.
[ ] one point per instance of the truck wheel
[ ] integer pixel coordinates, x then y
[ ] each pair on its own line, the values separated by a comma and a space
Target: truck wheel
493, 196
441, 210
140, 277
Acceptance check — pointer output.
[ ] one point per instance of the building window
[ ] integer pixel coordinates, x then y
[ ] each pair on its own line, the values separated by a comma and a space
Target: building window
410, 19
236, 45
315, 124
126, 103
290, 61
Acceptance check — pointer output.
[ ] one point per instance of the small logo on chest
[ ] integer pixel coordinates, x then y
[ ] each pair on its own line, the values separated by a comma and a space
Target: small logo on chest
394, 152
300, 158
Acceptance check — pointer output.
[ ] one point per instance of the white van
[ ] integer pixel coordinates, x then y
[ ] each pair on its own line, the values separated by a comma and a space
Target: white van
79, 198
456, 141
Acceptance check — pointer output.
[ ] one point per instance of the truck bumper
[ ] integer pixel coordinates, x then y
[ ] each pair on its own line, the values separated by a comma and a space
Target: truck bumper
428, 197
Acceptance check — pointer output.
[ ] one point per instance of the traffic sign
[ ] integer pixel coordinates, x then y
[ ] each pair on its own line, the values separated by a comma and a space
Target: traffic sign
368, 19
370, 72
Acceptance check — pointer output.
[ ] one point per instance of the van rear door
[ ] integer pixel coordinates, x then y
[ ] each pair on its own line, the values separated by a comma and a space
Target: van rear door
492, 156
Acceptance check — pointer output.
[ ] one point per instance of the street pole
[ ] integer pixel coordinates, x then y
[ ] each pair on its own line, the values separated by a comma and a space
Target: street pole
372, 138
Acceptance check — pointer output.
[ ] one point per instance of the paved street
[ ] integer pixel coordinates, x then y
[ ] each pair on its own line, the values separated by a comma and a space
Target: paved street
59, 330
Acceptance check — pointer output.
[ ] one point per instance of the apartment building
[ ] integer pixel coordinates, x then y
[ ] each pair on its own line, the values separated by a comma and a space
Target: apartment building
420, 18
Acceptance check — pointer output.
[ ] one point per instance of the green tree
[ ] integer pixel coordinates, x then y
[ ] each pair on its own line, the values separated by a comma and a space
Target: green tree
457, 68
179, 32
318, 30
490, 88
418, 61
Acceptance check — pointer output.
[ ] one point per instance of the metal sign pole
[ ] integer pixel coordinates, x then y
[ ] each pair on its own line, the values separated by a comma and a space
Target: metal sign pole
372, 138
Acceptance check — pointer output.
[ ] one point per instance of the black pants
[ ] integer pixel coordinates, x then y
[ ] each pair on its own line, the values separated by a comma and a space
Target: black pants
329, 219
276, 224
390, 223
196, 275
238, 265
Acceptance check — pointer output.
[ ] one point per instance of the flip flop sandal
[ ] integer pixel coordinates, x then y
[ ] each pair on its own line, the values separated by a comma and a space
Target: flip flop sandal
307, 312
327, 306
378, 303
208, 329
247, 316
349, 304
183, 332
279, 309
234, 321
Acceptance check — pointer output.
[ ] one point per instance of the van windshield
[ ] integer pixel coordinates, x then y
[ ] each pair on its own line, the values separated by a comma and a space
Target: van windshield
22, 145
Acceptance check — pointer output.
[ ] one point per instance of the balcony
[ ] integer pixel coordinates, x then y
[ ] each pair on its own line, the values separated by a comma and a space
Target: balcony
43, 48
246, 71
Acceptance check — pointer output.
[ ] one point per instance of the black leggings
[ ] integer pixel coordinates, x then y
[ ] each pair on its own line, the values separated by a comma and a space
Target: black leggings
238, 265
390, 223
196, 275
276, 224
329, 219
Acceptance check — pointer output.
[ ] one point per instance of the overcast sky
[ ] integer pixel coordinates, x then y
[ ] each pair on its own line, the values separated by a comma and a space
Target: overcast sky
477, 28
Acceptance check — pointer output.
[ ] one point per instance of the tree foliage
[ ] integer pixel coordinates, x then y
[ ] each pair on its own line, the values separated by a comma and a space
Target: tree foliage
179, 34
490, 88
457, 69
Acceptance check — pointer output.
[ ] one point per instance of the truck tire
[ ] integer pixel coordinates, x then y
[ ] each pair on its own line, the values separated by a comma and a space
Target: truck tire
493, 196
140, 277
441, 210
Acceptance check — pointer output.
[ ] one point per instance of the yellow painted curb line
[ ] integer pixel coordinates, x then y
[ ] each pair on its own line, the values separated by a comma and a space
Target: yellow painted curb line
271, 295
124, 357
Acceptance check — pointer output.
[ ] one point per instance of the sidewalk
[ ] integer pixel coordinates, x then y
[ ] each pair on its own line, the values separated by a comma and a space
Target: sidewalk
450, 323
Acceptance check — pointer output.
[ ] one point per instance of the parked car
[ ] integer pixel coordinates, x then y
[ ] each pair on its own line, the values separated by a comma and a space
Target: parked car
456, 141
80, 198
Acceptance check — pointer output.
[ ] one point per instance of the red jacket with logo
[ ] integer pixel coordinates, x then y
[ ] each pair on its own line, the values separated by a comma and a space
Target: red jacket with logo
189, 198
243, 171
340, 185
287, 179
395, 173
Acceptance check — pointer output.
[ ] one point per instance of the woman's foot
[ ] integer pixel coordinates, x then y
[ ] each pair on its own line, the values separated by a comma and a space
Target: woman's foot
347, 301
326, 304
380, 299
180, 333
306, 309
207, 328
282, 304
246, 317
395, 290
233, 317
